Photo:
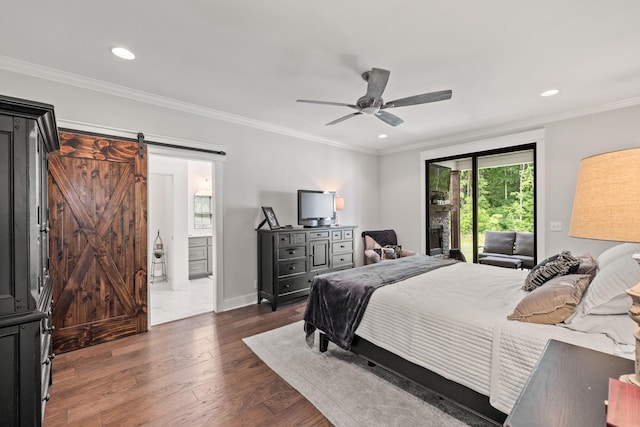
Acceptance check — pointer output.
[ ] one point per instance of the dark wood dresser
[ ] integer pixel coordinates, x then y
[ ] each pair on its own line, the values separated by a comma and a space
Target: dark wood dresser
27, 134
289, 259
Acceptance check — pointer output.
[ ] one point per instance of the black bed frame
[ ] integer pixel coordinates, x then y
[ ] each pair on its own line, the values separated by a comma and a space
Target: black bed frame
469, 399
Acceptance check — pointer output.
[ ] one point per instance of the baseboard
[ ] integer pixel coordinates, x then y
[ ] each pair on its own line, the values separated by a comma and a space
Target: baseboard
241, 301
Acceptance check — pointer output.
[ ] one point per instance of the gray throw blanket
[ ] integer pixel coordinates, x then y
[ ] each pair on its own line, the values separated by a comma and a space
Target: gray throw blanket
337, 301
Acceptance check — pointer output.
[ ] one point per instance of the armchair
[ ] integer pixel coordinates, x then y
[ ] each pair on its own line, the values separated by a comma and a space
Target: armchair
378, 239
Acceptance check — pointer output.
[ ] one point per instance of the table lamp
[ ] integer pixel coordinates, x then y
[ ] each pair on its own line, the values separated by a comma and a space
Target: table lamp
339, 207
607, 207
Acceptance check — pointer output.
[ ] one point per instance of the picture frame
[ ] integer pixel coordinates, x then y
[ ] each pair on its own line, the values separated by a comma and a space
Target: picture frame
270, 217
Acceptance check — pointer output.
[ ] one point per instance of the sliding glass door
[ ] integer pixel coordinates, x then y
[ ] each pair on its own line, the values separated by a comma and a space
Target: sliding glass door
470, 194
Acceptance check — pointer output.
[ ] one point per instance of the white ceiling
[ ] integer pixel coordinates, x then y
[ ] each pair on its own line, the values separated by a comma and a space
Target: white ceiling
253, 59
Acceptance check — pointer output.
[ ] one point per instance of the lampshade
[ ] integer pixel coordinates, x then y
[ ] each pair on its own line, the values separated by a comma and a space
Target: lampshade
607, 199
339, 203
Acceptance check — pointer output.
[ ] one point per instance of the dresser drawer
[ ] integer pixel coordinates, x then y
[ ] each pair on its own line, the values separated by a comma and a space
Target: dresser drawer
198, 267
292, 252
341, 260
199, 253
198, 241
336, 235
342, 247
319, 235
347, 234
290, 268
298, 238
294, 285
284, 239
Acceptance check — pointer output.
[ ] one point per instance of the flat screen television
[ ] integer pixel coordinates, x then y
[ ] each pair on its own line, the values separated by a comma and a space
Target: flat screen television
316, 208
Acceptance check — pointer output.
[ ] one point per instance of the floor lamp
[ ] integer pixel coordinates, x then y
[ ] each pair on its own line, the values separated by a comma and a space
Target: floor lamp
607, 207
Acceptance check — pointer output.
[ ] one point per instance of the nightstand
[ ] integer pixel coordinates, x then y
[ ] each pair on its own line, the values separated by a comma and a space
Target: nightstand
568, 387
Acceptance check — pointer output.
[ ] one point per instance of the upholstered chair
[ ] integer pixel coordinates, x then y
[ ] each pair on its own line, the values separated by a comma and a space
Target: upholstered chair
377, 241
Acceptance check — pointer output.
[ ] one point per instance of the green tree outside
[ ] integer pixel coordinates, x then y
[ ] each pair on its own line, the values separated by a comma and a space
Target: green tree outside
505, 201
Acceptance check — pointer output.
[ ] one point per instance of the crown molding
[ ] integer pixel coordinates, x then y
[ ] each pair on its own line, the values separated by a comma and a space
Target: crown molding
72, 79
64, 77
522, 125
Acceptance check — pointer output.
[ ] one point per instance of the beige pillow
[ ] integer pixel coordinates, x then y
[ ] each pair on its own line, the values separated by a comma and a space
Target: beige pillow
553, 302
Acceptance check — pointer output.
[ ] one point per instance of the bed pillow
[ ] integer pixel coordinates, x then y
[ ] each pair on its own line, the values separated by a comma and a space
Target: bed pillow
618, 327
619, 251
553, 302
607, 294
557, 265
588, 265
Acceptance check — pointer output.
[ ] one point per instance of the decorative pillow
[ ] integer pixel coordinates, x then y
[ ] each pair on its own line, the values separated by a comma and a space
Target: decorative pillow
388, 253
553, 302
588, 265
607, 294
557, 265
617, 252
397, 249
499, 242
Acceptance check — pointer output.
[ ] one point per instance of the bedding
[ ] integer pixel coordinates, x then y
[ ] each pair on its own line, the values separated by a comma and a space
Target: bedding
338, 300
453, 322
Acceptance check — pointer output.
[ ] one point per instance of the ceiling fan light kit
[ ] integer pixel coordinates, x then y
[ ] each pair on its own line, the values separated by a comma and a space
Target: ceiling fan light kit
373, 104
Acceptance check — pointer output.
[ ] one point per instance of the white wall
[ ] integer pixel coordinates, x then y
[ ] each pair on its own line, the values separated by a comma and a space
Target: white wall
567, 142
160, 220
262, 168
174, 201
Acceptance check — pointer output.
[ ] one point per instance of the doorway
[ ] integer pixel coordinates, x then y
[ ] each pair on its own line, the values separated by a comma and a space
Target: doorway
177, 181
478, 192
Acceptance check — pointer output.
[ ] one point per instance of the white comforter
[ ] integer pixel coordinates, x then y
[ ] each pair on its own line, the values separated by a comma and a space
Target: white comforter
459, 330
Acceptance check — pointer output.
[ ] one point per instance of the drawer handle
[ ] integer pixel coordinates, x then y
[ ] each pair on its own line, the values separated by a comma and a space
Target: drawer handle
292, 252
291, 268
342, 246
287, 286
341, 259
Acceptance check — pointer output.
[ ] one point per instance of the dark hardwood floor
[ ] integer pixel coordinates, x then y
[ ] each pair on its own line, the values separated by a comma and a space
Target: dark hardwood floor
192, 372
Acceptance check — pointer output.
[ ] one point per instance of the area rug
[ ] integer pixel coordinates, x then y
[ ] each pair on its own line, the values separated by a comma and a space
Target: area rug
349, 392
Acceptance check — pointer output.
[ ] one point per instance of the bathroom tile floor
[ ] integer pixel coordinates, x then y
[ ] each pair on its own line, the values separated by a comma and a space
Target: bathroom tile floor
168, 305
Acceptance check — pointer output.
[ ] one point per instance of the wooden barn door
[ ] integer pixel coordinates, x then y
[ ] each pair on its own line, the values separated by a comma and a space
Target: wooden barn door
98, 240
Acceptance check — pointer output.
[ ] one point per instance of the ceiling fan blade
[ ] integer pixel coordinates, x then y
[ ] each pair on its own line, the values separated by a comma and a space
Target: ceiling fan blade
340, 104
388, 118
341, 119
419, 99
377, 80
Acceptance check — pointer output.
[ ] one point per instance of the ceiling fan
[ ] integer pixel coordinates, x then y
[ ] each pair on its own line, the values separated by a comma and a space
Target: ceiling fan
372, 102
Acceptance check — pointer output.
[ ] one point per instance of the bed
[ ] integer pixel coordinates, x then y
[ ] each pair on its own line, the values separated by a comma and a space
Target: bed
447, 328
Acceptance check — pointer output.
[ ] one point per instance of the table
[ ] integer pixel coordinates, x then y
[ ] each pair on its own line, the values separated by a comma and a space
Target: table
568, 387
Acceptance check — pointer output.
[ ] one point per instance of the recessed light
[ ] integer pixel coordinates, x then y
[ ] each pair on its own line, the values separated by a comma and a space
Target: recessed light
550, 92
123, 53
382, 136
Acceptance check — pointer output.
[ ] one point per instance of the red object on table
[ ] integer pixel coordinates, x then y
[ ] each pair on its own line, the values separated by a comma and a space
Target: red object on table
624, 404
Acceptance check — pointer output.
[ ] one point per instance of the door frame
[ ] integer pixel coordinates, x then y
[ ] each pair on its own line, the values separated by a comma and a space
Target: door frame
536, 136
218, 220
